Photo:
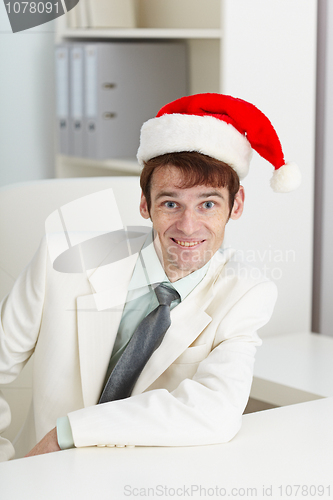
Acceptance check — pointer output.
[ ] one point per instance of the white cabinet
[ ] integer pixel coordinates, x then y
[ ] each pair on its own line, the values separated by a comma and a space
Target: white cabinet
198, 22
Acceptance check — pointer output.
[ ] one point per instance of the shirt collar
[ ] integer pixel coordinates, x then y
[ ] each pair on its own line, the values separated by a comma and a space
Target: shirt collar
148, 270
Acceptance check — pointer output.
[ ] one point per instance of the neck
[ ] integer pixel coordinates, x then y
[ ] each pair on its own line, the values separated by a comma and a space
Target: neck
173, 273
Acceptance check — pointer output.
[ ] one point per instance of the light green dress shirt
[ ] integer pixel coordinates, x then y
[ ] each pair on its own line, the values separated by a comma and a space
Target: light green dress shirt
140, 301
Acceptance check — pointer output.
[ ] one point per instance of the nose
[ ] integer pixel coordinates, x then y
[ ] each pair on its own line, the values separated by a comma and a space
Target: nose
188, 222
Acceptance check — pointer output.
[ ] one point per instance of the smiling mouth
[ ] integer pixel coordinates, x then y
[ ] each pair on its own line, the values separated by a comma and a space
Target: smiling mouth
187, 244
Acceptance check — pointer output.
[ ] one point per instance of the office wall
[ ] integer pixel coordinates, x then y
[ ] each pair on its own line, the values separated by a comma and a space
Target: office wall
26, 102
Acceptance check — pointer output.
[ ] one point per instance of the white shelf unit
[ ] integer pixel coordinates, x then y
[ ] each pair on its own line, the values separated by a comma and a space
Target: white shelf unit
157, 20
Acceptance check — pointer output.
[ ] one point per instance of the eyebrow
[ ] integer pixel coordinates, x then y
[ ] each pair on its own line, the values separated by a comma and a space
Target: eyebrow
174, 194
211, 193
171, 194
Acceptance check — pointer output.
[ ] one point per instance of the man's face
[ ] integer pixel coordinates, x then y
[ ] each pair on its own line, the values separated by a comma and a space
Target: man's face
188, 223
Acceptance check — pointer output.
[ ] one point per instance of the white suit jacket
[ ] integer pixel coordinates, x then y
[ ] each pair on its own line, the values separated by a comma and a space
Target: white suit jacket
192, 391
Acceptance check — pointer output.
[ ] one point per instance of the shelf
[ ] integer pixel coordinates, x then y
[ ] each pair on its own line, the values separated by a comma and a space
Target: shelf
144, 33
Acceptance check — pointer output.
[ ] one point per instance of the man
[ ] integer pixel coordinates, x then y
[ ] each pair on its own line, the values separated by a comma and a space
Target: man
189, 384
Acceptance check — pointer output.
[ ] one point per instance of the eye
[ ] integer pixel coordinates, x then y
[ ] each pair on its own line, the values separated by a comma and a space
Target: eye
170, 204
208, 204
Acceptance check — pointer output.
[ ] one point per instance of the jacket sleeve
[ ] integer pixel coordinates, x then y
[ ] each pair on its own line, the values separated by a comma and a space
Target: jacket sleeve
206, 409
20, 315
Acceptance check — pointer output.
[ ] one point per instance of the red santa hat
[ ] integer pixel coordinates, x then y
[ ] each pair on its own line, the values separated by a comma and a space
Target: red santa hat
220, 126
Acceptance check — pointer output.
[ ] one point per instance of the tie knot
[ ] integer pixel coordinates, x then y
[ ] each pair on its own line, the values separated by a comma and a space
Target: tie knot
165, 294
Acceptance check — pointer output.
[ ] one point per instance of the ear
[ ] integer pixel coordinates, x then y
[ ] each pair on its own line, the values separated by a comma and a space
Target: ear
238, 206
144, 207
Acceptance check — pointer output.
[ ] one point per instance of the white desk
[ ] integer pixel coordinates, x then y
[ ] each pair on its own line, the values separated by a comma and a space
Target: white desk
293, 368
275, 448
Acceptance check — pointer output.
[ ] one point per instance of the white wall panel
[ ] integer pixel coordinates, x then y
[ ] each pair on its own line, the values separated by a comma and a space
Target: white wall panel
326, 244
269, 59
26, 102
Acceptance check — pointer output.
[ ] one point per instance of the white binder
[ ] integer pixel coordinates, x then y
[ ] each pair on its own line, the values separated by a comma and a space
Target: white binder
76, 101
62, 97
125, 84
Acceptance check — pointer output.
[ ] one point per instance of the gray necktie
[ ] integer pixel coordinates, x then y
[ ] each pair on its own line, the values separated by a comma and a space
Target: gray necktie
146, 338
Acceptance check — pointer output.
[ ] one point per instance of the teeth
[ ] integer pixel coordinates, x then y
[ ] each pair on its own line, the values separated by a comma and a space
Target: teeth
188, 243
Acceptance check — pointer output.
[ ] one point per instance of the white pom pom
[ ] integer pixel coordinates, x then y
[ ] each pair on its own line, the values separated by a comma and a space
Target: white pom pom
286, 178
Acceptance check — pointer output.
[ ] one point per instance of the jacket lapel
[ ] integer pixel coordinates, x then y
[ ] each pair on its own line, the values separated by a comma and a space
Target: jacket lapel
98, 318
185, 328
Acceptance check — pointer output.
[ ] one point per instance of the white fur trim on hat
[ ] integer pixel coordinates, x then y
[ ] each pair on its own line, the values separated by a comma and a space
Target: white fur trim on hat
174, 133
286, 178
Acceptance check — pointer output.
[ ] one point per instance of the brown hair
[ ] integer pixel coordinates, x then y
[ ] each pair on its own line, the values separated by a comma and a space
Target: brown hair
197, 169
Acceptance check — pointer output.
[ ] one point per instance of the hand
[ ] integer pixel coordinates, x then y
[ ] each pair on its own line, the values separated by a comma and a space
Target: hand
48, 444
